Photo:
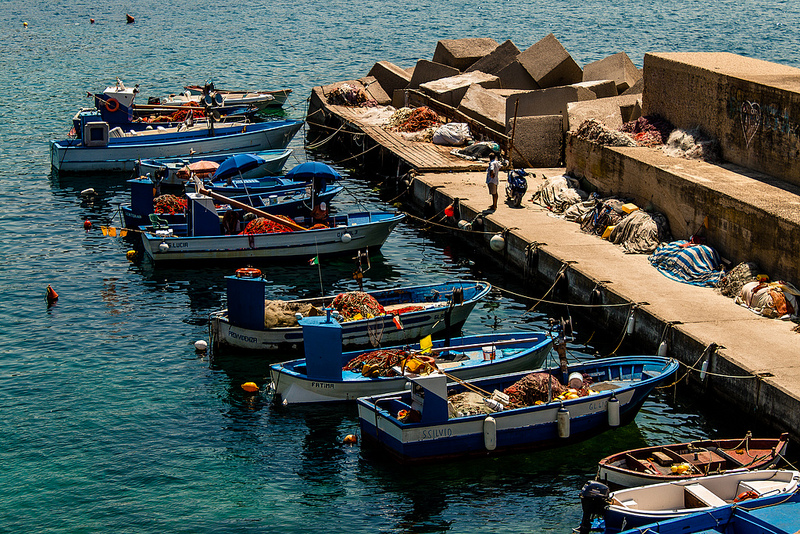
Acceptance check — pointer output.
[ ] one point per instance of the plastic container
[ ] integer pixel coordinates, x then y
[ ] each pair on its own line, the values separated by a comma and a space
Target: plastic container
488, 353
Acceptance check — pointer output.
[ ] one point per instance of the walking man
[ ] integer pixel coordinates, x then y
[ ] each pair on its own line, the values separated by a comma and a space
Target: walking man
493, 179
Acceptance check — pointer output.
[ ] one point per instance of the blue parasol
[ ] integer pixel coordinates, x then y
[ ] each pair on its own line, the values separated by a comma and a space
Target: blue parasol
235, 165
313, 169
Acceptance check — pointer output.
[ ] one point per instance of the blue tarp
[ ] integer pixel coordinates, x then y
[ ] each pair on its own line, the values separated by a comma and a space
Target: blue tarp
698, 265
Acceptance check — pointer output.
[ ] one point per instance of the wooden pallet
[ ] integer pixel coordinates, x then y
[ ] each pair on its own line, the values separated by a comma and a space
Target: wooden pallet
422, 156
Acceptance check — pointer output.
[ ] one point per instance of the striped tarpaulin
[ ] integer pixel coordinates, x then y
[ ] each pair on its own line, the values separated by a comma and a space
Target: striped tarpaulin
698, 265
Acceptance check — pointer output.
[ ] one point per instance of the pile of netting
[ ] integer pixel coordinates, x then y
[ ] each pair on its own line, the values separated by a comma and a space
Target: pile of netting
262, 225
279, 313
466, 404
593, 130
355, 305
534, 388
347, 95
398, 117
169, 204
692, 144
379, 362
419, 119
650, 131
179, 115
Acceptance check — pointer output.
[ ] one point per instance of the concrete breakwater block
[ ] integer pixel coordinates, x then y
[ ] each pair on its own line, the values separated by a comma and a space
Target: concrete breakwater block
427, 71
484, 106
390, 76
451, 90
617, 67
608, 111
461, 53
549, 64
552, 101
601, 88
514, 76
538, 141
375, 91
497, 60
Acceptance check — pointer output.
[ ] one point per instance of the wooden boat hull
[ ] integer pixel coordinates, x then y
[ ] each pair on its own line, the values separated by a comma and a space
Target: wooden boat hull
275, 160
364, 231
122, 153
293, 387
361, 333
639, 467
533, 427
642, 506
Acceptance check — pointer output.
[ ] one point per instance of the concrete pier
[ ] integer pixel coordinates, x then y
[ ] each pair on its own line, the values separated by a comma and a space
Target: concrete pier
755, 366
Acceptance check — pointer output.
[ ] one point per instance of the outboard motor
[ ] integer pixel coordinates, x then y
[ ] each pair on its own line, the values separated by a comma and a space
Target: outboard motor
516, 187
594, 499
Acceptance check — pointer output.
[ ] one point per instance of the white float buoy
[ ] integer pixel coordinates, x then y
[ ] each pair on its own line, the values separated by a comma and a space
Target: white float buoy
704, 369
490, 433
563, 422
163, 247
464, 225
497, 242
613, 412
631, 324
200, 345
346, 237
662, 349
87, 192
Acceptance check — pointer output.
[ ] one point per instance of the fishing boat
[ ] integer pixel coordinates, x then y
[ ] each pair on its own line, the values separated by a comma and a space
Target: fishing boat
255, 99
662, 463
642, 506
117, 106
396, 315
328, 375
766, 515
279, 96
291, 201
101, 149
178, 173
438, 420
201, 238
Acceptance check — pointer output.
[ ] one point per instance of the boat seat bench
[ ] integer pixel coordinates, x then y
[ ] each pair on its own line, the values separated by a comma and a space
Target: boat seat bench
697, 496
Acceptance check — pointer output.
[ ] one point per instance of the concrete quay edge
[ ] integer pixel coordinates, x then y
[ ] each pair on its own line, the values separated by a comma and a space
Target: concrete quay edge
761, 353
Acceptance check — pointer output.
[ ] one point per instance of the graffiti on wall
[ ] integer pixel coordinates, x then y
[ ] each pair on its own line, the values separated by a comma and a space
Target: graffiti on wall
750, 116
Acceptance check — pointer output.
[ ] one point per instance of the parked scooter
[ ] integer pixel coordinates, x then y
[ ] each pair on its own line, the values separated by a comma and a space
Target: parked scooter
517, 186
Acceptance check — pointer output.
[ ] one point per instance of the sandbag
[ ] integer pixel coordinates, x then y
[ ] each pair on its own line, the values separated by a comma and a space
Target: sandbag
452, 134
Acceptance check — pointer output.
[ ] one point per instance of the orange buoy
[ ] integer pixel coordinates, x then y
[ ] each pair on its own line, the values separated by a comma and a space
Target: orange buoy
87, 224
250, 387
91, 21
129, 18
350, 438
449, 211
51, 295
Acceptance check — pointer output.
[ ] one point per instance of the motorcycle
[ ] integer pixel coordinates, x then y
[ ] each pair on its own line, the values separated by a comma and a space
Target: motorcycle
517, 186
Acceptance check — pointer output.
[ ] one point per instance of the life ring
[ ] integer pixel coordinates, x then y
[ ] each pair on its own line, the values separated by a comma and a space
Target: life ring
752, 494
248, 272
112, 105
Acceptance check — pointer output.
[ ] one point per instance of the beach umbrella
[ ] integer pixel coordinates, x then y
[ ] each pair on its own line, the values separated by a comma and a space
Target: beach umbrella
313, 169
235, 165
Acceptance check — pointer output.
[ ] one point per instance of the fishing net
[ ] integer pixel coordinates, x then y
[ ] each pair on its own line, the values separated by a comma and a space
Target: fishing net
649, 131
279, 313
420, 119
731, 284
593, 130
169, 204
532, 388
355, 305
347, 95
467, 403
262, 225
377, 363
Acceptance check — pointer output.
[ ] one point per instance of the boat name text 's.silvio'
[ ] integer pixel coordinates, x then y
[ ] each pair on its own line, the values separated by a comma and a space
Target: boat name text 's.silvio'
435, 433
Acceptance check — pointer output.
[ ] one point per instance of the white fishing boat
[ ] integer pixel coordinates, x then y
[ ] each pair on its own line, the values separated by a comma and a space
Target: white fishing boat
101, 149
383, 317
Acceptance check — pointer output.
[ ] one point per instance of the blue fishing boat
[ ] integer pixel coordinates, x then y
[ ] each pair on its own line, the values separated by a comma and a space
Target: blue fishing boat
101, 149
378, 318
291, 202
328, 375
439, 420
177, 171
202, 238
707, 504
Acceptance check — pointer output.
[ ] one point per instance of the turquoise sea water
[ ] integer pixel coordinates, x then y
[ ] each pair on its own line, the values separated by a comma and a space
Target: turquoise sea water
109, 420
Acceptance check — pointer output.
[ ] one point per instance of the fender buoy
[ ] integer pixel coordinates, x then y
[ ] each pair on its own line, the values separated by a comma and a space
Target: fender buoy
250, 387
248, 272
112, 105
51, 296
